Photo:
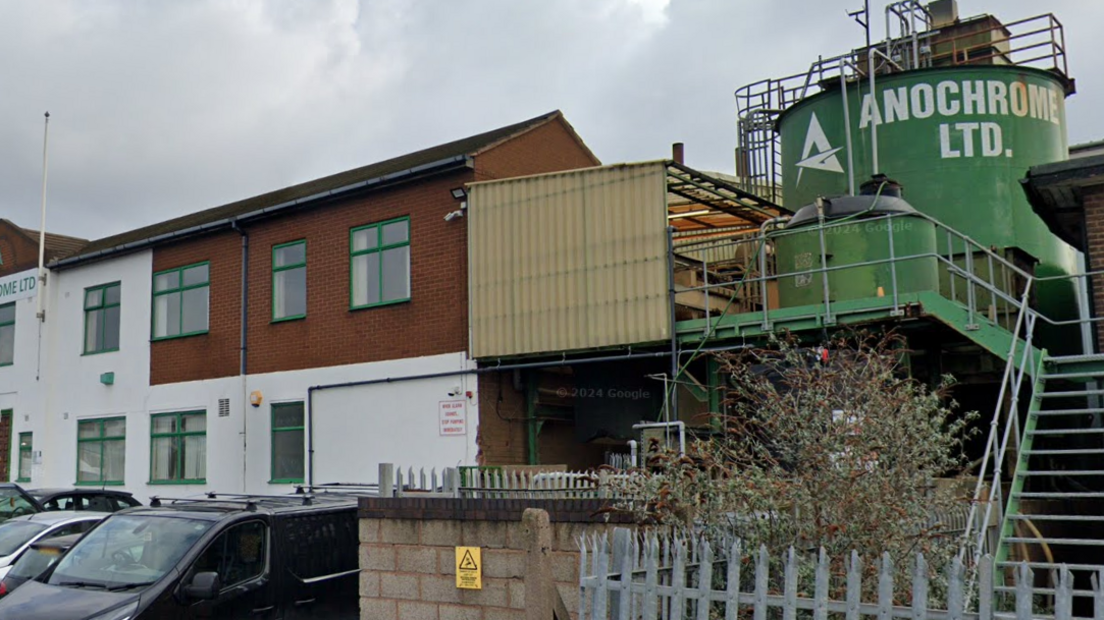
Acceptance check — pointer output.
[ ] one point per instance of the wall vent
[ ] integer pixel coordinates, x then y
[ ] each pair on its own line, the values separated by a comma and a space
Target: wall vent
224, 407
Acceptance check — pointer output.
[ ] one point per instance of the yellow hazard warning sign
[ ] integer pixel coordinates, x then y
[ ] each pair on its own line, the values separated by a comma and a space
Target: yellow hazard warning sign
469, 571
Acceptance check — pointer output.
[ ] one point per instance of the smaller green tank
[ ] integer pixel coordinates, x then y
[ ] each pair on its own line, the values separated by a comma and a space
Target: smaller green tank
856, 230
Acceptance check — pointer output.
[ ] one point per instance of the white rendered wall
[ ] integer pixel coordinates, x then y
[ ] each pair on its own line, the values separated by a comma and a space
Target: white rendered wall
20, 386
355, 428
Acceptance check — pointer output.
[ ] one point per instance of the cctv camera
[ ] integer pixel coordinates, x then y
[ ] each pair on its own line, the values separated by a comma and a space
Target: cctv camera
453, 215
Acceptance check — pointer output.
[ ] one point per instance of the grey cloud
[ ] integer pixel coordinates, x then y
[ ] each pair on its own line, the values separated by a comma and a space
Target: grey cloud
166, 107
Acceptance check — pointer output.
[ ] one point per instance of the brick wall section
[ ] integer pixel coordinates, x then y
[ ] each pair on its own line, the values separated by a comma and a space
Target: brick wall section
17, 252
548, 148
502, 427
1093, 197
435, 321
214, 354
407, 555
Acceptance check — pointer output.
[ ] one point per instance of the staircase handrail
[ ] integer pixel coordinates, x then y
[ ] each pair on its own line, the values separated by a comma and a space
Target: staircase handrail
994, 424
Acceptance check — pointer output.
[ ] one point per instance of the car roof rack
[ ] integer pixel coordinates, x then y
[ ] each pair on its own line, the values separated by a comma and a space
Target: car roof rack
248, 502
352, 488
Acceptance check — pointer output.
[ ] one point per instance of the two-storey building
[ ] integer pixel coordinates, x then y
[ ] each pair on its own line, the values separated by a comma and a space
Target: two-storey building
254, 345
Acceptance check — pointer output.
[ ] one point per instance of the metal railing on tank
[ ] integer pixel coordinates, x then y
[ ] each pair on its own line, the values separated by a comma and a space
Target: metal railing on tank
1038, 42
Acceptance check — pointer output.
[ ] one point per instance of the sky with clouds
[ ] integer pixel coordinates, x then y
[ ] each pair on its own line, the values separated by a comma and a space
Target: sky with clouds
162, 108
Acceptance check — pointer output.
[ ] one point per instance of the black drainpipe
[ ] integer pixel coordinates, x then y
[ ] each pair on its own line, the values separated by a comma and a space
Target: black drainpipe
242, 357
244, 297
475, 371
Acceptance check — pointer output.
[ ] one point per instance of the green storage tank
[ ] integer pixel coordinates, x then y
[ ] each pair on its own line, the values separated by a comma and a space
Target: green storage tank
856, 231
960, 138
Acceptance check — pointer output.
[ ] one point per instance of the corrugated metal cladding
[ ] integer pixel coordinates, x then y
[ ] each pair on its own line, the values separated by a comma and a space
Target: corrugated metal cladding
568, 261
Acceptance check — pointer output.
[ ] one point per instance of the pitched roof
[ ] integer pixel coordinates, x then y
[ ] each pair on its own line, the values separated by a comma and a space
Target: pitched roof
57, 246
433, 159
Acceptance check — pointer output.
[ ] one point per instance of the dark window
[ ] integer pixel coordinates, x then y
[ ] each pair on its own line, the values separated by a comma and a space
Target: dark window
287, 442
238, 554
380, 263
101, 318
307, 534
7, 334
180, 301
289, 281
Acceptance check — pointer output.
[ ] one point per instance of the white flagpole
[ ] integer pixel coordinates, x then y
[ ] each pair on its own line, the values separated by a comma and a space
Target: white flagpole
41, 313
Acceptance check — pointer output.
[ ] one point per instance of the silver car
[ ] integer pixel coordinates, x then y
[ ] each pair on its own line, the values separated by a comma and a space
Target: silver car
18, 533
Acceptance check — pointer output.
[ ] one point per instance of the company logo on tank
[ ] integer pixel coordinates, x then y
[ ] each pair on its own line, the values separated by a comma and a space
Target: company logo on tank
956, 99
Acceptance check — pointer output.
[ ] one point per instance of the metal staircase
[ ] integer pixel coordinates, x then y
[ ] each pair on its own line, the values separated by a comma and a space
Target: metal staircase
1056, 490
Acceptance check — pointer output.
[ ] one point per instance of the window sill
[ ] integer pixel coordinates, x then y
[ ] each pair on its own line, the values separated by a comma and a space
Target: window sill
111, 483
298, 317
189, 335
286, 481
169, 482
87, 353
380, 304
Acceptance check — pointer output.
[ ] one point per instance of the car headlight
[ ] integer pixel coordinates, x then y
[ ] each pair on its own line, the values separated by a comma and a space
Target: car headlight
119, 613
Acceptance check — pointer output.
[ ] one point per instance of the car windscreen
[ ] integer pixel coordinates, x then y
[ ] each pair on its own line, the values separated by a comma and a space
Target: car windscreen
35, 562
15, 534
14, 504
128, 550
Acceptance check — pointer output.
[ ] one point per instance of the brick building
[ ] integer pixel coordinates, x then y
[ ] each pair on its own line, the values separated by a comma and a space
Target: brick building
272, 341
1069, 197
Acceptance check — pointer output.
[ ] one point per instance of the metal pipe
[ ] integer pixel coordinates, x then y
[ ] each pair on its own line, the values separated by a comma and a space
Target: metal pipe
824, 263
672, 393
971, 295
847, 127
243, 345
40, 311
875, 169
992, 293
244, 331
893, 270
705, 281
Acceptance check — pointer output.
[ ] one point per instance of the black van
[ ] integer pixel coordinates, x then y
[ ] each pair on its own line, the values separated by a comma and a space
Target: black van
226, 556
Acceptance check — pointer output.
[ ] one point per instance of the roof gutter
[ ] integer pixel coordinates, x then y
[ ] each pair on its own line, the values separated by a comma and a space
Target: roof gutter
444, 165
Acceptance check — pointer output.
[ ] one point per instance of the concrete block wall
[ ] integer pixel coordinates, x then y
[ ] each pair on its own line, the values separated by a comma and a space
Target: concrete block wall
408, 557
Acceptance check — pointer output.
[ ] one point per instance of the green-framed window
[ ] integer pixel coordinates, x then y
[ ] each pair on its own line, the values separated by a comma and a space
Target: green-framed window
380, 263
287, 442
7, 334
101, 318
101, 450
25, 446
180, 301
289, 281
178, 447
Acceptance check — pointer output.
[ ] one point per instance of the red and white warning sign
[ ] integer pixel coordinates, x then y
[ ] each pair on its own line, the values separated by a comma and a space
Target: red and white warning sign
453, 417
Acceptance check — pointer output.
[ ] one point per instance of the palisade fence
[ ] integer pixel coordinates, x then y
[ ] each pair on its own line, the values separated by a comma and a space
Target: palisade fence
649, 577
491, 483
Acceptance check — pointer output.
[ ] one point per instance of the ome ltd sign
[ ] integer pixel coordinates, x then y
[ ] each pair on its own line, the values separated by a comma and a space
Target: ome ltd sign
952, 132
22, 285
